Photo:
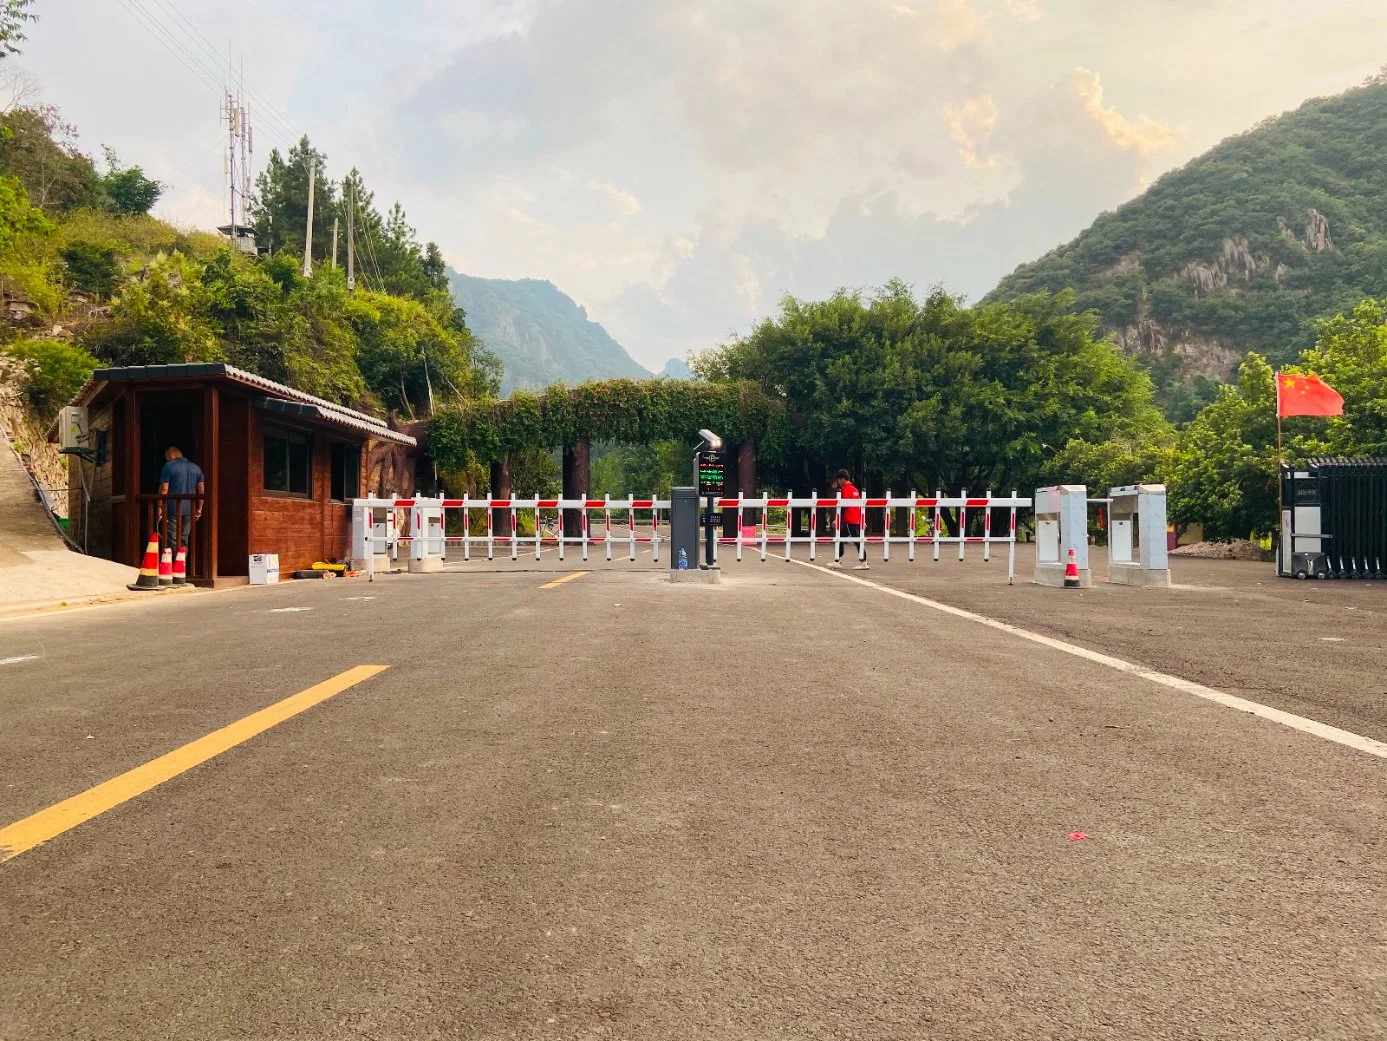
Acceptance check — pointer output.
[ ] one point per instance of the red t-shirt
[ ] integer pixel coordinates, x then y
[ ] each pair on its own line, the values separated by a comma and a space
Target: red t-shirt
851, 514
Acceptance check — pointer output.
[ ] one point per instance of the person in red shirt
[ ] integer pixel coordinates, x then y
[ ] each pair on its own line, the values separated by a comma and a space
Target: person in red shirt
852, 516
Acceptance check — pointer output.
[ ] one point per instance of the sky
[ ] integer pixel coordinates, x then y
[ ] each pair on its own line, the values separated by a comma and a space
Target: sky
678, 166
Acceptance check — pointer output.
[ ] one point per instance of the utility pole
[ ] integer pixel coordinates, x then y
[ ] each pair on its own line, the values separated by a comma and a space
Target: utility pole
334, 243
351, 239
308, 235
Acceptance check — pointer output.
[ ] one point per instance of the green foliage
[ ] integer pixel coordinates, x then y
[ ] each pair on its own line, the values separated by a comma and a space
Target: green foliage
1351, 356
650, 469
1222, 472
930, 394
13, 16
540, 334
91, 267
625, 411
16, 215
41, 151
128, 190
535, 474
280, 213
53, 372
1259, 188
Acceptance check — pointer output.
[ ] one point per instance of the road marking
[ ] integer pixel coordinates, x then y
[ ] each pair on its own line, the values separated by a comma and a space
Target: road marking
18, 658
566, 578
288, 610
1275, 715
46, 824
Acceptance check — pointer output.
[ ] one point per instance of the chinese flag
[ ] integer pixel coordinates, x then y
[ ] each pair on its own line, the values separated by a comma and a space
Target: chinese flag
1300, 395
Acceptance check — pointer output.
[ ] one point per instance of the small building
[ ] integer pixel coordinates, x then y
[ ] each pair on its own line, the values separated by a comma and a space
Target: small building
281, 466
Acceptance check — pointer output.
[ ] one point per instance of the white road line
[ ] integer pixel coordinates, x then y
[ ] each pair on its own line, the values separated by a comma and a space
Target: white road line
18, 658
288, 610
1275, 715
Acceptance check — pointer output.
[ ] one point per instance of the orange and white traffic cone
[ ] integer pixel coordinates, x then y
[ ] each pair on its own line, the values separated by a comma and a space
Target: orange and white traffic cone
149, 567
166, 569
1071, 572
180, 567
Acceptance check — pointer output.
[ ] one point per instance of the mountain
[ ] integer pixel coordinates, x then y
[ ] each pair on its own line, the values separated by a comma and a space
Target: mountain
540, 335
676, 369
1243, 248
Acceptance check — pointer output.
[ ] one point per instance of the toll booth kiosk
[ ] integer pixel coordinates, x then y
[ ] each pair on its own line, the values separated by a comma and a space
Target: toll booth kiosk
1061, 525
374, 533
1137, 554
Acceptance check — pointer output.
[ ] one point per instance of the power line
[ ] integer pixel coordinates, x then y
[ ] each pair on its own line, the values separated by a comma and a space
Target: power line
193, 33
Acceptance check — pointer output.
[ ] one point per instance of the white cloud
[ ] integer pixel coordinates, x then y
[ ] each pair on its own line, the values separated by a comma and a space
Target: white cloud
677, 165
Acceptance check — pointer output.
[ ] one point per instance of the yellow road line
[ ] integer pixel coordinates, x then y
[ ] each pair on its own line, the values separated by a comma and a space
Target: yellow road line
46, 824
566, 578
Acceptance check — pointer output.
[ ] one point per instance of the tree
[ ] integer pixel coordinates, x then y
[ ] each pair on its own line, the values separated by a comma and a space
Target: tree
16, 215
91, 266
1222, 472
931, 394
280, 210
41, 151
13, 16
129, 190
1350, 353
53, 373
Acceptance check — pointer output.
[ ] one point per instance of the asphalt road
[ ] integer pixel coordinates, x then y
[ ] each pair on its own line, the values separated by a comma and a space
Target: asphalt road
784, 807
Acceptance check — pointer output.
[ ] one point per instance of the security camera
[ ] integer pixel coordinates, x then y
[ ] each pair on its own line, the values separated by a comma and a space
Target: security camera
711, 439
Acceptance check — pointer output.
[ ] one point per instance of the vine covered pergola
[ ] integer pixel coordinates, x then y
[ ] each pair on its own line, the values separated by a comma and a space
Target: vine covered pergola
632, 412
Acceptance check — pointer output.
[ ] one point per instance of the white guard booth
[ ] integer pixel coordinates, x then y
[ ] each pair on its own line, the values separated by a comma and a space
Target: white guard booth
1137, 536
427, 543
374, 532
1061, 524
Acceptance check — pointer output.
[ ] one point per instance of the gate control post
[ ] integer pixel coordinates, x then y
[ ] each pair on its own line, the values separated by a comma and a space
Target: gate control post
1137, 553
426, 529
1061, 524
684, 524
374, 537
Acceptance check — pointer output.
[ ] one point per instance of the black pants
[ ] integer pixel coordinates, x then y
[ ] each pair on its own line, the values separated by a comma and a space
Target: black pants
848, 533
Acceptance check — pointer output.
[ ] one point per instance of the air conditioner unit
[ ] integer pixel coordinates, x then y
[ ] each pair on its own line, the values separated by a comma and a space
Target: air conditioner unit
72, 428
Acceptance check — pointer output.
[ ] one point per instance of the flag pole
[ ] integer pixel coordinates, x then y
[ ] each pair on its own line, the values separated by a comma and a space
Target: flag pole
1280, 494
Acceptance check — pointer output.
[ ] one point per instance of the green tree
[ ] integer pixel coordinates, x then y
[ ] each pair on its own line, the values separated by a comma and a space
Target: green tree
280, 212
127, 189
1222, 472
41, 151
930, 394
14, 14
53, 373
17, 217
91, 266
1350, 354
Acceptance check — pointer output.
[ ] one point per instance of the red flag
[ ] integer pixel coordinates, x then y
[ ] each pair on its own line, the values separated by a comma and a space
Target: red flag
1298, 394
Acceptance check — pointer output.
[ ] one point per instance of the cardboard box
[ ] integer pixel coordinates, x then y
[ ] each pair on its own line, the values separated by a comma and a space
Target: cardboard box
264, 569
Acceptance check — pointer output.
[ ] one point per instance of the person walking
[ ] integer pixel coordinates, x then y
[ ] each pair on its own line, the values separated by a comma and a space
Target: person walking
851, 519
180, 476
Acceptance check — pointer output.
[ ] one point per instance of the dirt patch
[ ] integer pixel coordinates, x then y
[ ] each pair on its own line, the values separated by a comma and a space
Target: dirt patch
1234, 549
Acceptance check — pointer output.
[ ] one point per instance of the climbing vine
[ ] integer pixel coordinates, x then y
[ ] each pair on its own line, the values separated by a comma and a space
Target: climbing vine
625, 411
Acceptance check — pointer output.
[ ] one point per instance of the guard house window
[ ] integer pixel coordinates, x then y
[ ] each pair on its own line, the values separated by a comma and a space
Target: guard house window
346, 471
288, 462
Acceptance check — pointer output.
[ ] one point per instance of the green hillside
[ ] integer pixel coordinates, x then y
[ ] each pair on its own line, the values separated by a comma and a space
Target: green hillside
540, 335
1243, 248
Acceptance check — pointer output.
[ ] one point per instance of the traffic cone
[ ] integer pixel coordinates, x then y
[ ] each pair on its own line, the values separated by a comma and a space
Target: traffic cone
149, 567
166, 569
180, 567
1071, 572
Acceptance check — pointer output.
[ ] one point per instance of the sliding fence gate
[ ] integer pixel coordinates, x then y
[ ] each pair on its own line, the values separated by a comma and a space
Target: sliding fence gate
422, 531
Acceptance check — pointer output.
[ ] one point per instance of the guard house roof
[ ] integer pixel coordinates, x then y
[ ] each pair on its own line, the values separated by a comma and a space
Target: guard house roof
277, 398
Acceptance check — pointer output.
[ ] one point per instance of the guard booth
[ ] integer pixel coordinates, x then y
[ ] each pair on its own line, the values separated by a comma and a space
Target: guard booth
1333, 519
1137, 554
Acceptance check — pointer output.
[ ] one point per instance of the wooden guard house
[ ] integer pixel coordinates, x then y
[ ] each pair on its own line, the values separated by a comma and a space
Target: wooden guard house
281, 466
